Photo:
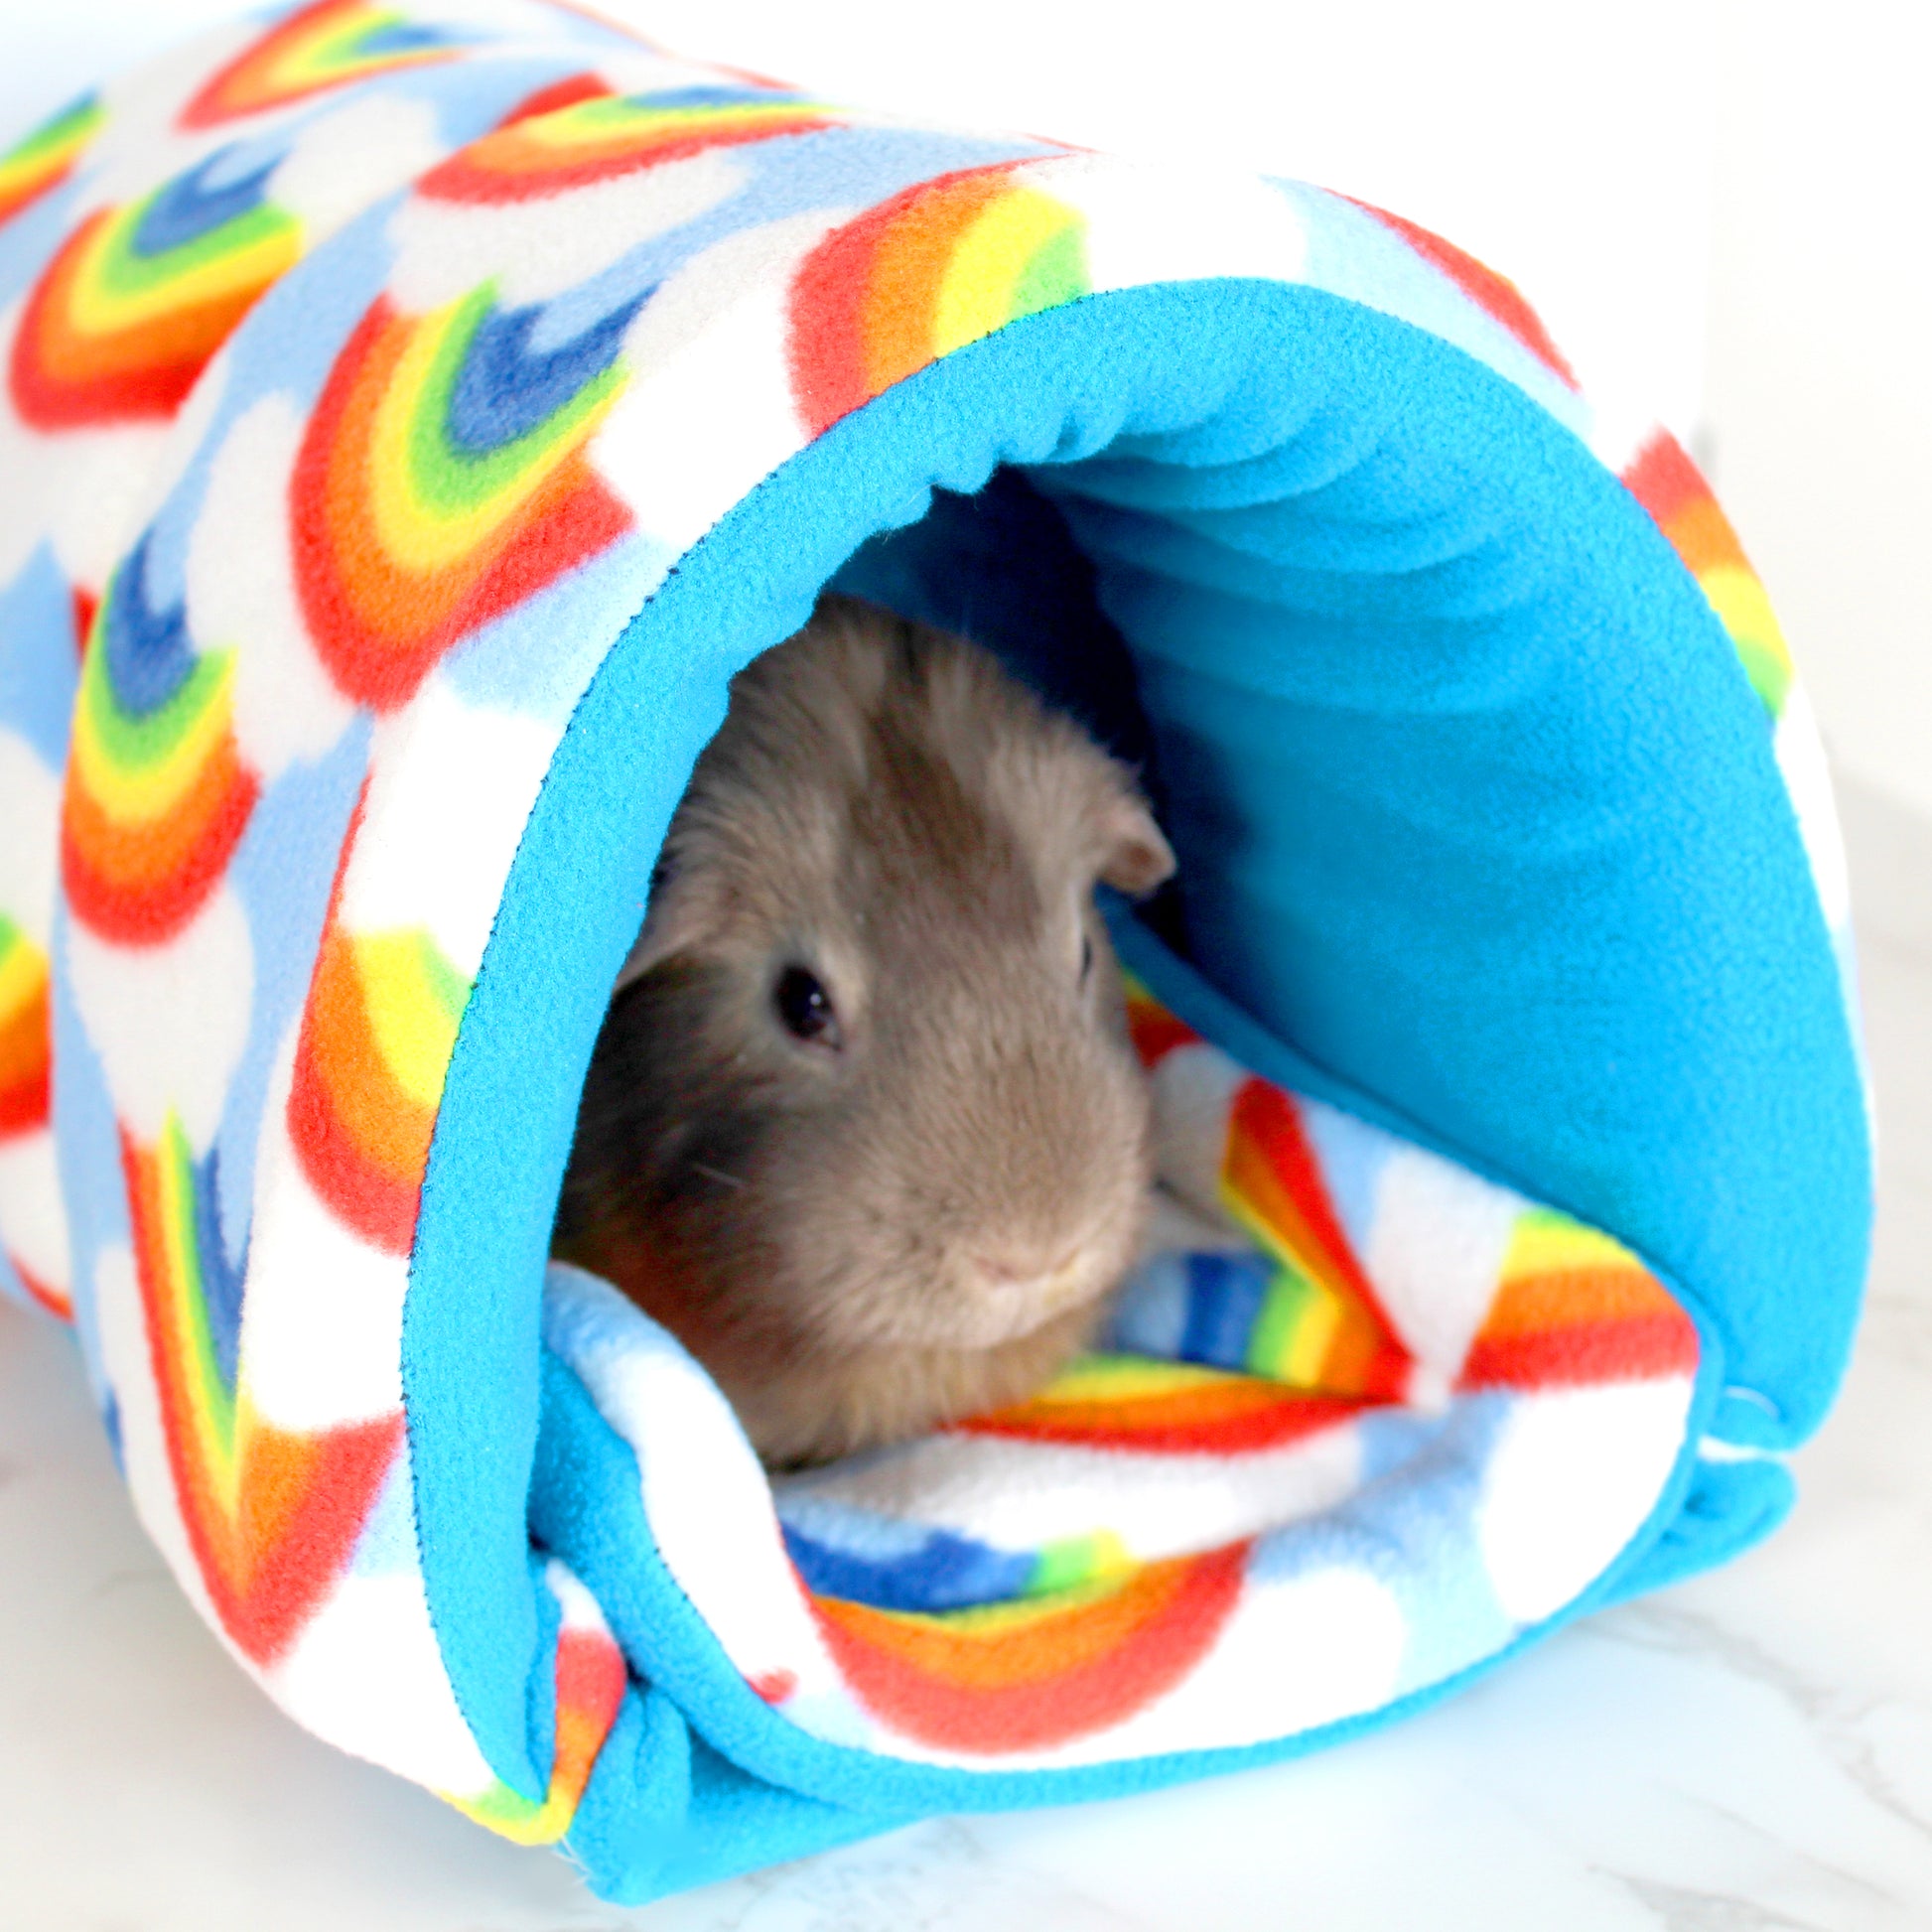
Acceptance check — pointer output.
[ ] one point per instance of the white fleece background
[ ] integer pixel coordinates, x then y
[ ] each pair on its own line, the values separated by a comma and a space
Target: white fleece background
1720, 202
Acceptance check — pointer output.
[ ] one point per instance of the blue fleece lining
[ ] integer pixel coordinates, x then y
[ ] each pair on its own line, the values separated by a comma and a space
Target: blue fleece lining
1474, 806
587, 1504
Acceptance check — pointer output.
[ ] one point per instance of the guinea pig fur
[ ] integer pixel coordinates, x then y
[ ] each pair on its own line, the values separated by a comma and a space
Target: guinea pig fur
863, 1128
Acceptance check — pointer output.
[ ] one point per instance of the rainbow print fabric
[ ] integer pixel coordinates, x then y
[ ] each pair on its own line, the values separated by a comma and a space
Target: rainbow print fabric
316, 48
39, 164
1264, 1395
364, 371
139, 752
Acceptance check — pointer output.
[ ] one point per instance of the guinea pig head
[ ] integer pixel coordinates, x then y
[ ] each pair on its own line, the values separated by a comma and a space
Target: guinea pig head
866, 1085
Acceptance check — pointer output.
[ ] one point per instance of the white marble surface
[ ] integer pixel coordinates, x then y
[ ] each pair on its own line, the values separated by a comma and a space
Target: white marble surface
1746, 1754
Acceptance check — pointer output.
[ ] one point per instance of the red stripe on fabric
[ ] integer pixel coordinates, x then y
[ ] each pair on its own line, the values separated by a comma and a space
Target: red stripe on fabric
1272, 1121
572, 90
1156, 1033
27, 1065
56, 1302
86, 604
831, 323
1663, 479
139, 885
918, 1676
467, 177
1225, 1418
303, 1498
1583, 1353
1496, 295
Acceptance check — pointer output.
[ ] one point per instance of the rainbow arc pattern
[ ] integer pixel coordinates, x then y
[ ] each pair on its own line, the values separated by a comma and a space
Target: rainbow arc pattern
157, 795
374, 1046
447, 478
48, 156
26, 1064
1664, 480
1080, 1636
329, 45
272, 1515
1035, 1671
935, 267
602, 138
118, 325
444, 480
137, 300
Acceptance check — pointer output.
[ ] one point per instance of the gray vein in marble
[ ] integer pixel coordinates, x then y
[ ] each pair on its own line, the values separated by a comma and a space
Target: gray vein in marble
1851, 1880
1832, 1715
1676, 1908
1670, 1626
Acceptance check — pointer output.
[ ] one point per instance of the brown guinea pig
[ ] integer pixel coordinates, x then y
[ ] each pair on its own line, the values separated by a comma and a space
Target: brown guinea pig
863, 1128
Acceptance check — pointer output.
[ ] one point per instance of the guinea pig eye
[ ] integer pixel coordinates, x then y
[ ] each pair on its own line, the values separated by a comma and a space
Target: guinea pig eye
805, 1008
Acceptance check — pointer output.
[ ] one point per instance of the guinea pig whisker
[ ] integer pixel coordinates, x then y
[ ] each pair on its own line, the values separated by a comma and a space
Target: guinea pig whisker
715, 1173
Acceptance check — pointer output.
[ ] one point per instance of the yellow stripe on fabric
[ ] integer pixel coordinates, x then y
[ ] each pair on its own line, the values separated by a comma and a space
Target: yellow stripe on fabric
23, 969
520, 1819
414, 999
1294, 1329
1098, 1557
612, 124
1122, 1378
102, 302
989, 261
411, 533
1745, 610
141, 793
1548, 1243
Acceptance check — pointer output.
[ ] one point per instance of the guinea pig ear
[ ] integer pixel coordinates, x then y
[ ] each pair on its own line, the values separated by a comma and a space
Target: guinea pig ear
1135, 856
676, 919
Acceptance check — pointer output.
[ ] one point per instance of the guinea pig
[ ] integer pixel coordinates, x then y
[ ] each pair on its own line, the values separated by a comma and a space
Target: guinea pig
863, 1128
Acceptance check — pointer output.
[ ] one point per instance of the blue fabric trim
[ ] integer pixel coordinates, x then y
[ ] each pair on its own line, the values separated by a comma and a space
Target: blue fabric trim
1727, 1508
810, 1794
1481, 814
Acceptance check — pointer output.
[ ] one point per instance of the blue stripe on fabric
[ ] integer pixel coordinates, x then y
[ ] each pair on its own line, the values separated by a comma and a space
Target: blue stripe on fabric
1225, 1295
196, 204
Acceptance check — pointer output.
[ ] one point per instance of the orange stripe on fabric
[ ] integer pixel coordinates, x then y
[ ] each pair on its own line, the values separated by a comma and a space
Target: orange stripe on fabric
139, 882
1241, 1416
1531, 1303
27, 1063
1074, 1671
300, 1499
906, 270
